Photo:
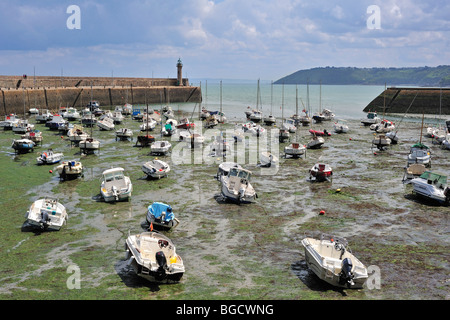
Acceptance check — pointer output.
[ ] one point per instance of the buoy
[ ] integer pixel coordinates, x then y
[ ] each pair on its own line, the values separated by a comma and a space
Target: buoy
62, 137
338, 190
322, 212
51, 171
374, 153
350, 139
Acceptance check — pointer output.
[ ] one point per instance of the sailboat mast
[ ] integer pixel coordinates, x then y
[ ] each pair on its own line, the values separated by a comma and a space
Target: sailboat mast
271, 98
421, 128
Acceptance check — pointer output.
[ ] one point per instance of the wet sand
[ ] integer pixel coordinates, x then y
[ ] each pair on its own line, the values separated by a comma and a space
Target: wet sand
230, 251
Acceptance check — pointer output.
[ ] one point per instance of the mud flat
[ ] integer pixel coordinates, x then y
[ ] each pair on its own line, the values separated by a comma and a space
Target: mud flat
230, 251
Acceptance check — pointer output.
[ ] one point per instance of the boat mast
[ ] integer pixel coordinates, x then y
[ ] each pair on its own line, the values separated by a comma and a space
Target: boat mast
421, 128
271, 98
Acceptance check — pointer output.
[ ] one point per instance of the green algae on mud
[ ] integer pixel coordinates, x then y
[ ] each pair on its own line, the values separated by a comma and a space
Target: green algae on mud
230, 251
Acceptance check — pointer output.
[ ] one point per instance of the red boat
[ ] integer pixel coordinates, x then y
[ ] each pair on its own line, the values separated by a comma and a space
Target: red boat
319, 133
321, 172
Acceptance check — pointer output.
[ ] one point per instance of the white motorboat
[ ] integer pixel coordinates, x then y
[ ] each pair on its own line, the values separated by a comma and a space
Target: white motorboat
294, 150
71, 114
204, 114
160, 147
88, 119
236, 186
23, 145
321, 172
124, 134
270, 120
32, 111
432, 186
10, 120
315, 143
153, 257
115, 185
47, 214
372, 118
211, 122
76, 134
419, 153
68, 170
383, 127
89, 144
149, 124
257, 130
56, 122
256, 115
22, 126
43, 116
267, 159
381, 141
393, 136
332, 261
325, 115
340, 127
224, 169
117, 117
156, 169
289, 124
106, 124
49, 157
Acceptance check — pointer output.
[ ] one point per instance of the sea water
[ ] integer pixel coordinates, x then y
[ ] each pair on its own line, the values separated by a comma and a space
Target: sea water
233, 97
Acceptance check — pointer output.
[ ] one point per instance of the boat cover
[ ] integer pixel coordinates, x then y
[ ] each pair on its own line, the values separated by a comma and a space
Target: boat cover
157, 208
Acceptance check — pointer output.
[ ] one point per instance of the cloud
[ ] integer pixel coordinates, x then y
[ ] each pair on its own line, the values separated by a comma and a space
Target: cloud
228, 38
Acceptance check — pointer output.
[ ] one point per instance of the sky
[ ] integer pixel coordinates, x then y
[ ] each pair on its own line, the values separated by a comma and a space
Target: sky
227, 39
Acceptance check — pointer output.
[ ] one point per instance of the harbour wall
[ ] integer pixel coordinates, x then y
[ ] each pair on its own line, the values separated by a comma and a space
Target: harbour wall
397, 100
19, 94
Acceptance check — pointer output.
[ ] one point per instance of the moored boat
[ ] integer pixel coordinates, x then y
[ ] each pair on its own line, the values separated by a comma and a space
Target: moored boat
68, 170
321, 172
236, 186
432, 186
115, 185
153, 257
331, 260
156, 168
160, 216
49, 157
47, 214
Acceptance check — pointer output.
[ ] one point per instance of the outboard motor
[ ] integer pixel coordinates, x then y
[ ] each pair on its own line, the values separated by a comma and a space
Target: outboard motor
346, 275
162, 265
44, 220
114, 192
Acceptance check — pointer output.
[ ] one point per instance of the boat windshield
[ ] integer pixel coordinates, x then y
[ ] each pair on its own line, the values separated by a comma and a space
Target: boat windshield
118, 175
434, 177
371, 115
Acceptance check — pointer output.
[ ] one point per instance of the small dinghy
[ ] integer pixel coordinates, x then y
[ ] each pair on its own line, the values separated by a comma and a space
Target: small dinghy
170, 128
321, 172
160, 147
236, 186
267, 159
106, 124
49, 157
381, 141
331, 260
69, 170
315, 143
47, 214
294, 150
153, 257
115, 185
412, 171
160, 216
340, 127
156, 169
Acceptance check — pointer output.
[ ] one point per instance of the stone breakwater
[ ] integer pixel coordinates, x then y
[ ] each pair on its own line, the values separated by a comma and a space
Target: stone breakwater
398, 100
19, 93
